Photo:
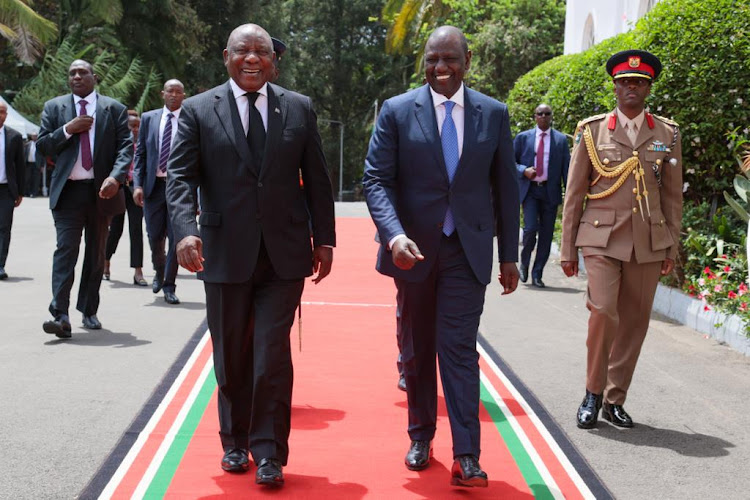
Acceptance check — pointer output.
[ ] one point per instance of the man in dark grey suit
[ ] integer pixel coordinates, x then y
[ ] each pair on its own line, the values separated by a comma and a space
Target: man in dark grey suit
440, 183
542, 159
245, 144
12, 167
87, 135
157, 133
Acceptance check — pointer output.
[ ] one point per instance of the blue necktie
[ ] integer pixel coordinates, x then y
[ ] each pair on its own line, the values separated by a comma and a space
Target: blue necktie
449, 140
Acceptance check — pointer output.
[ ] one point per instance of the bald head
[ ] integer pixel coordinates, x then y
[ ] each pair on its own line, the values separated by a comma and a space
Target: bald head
249, 57
448, 32
81, 78
173, 94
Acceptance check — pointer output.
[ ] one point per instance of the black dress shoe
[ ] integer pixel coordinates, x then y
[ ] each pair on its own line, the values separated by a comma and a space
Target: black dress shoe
402, 383
537, 282
467, 472
171, 298
235, 460
60, 326
157, 283
3, 274
524, 273
418, 456
588, 412
91, 322
617, 415
269, 473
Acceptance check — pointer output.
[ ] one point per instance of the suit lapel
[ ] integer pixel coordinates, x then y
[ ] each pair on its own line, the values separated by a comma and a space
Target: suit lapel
472, 121
425, 114
100, 125
277, 110
228, 116
154, 134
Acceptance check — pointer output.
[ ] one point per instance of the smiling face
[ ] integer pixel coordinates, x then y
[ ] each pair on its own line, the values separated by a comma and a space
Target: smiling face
249, 57
446, 60
81, 78
631, 93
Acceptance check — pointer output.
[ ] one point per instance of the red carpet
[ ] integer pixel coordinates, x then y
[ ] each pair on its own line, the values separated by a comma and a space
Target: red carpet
348, 436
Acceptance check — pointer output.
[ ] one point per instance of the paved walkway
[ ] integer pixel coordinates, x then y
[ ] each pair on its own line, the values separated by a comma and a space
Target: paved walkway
66, 404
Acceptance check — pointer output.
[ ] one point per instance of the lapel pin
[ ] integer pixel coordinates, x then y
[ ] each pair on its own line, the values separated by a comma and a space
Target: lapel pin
276, 110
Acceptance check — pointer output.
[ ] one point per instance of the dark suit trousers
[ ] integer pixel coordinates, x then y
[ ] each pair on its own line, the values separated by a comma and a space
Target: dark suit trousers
440, 315
135, 228
75, 213
250, 324
538, 218
7, 204
33, 180
159, 229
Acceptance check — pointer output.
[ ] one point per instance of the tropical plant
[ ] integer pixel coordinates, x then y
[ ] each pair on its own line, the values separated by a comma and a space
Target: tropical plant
125, 79
25, 29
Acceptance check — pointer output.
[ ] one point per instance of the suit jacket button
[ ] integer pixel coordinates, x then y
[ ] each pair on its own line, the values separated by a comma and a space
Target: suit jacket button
635, 210
440, 225
596, 223
260, 184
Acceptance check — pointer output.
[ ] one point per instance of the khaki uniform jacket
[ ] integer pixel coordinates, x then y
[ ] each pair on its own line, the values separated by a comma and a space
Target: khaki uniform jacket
616, 226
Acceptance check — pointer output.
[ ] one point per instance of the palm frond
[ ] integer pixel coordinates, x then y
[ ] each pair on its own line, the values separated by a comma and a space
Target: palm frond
26, 46
18, 13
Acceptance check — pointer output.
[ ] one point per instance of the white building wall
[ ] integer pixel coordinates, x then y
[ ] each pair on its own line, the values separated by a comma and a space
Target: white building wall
606, 18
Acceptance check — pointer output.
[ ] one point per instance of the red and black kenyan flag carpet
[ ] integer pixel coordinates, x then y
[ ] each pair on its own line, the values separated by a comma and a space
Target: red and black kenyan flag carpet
348, 436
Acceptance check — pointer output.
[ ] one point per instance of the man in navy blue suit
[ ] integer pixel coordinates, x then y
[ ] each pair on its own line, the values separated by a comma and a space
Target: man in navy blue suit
542, 159
158, 130
440, 182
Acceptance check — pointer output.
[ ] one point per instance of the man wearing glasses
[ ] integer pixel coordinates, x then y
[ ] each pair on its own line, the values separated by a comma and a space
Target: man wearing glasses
627, 167
542, 158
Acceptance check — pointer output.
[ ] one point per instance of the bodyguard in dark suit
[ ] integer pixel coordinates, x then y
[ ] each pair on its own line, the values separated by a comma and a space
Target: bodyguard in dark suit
158, 130
245, 144
542, 159
87, 135
440, 183
12, 167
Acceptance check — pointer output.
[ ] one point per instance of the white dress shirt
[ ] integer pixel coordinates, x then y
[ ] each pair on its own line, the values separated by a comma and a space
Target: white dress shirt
79, 173
162, 124
631, 126
3, 173
547, 140
261, 104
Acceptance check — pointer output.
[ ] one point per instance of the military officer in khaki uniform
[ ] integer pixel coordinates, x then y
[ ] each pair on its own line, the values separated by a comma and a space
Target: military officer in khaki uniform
623, 209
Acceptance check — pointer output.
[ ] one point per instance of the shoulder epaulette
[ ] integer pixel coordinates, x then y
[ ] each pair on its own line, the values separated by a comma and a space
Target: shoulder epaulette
590, 119
667, 121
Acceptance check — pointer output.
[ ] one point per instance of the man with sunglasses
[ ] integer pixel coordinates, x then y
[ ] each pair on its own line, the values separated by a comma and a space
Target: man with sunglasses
542, 159
627, 167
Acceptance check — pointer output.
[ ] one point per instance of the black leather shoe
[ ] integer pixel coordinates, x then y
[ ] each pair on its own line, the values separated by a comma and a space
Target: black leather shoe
588, 412
3, 274
157, 283
524, 273
60, 326
91, 322
617, 415
467, 472
235, 460
402, 383
171, 298
269, 473
418, 456
537, 282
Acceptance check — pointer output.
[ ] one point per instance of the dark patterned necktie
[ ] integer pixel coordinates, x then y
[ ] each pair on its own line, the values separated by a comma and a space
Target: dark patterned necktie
166, 144
85, 143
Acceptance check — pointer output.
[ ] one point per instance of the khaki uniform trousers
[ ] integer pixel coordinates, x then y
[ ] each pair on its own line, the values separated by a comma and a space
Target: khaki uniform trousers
620, 295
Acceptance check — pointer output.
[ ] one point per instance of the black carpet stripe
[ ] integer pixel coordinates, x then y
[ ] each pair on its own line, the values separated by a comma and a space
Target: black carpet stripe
594, 483
102, 477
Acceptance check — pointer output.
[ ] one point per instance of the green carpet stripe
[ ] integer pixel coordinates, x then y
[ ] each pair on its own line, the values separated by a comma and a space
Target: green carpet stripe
528, 470
172, 459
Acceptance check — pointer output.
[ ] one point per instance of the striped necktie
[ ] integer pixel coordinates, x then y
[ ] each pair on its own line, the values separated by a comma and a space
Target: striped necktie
166, 144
